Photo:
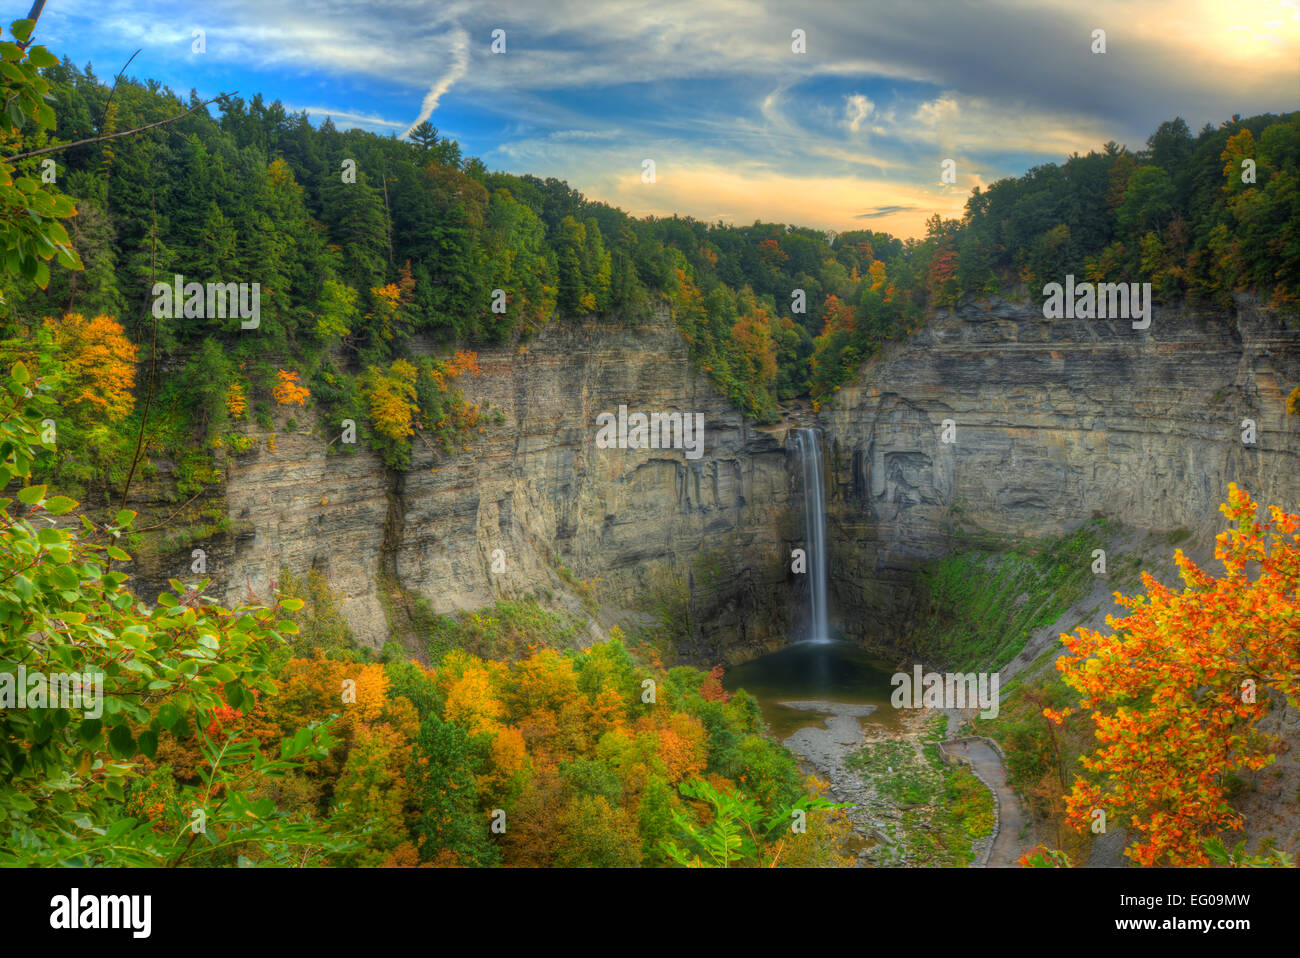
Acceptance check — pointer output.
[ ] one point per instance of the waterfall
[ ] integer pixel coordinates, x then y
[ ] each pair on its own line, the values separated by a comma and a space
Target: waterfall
814, 532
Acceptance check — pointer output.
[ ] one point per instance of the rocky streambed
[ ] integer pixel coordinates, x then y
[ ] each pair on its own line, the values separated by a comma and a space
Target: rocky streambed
913, 805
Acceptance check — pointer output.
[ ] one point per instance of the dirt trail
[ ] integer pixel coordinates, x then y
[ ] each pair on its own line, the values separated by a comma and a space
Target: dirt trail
986, 762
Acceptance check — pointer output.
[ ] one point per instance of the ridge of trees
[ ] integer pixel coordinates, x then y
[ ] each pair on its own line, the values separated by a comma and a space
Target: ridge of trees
362, 243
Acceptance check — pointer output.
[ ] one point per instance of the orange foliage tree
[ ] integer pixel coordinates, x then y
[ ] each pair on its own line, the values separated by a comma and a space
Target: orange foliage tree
288, 391
839, 316
1177, 690
752, 335
943, 277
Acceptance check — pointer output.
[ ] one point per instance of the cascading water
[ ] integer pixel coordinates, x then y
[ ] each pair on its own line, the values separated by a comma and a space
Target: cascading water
814, 526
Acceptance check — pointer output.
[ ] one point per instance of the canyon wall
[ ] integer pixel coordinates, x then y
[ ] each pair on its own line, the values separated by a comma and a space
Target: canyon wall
700, 540
1055, 421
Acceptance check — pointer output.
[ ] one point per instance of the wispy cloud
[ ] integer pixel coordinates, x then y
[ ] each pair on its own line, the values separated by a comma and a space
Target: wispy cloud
456, 70
365, 120
856, 110
880, 211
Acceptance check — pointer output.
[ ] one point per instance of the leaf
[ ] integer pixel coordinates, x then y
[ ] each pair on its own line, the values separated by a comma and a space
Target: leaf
121, 742
22, 29
41, 57
148, 742
30, 495
167, 715
235, 694
59, 505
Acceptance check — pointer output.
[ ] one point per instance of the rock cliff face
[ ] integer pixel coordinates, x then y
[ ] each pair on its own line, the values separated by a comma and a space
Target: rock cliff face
648, 528
1055, 421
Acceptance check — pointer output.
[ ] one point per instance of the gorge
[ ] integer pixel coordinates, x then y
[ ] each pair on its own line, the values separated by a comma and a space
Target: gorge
472, 520
1057, 421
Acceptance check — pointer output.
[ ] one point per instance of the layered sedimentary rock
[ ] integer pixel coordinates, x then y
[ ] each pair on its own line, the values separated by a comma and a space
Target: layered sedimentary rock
1053, 421
647, 529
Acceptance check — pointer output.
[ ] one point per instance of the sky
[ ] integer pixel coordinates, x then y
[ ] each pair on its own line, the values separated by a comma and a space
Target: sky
851, 133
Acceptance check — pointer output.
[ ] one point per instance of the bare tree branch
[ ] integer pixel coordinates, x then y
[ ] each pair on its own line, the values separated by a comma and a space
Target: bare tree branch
114, 136
109, 102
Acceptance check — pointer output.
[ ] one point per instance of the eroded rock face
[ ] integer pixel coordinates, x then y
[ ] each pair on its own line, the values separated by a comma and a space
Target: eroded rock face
1055, 421
643, 526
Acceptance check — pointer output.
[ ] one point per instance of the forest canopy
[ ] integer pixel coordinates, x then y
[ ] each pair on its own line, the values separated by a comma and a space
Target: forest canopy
362, 244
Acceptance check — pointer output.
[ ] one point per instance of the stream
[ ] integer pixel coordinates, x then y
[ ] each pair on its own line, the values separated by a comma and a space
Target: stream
825, 701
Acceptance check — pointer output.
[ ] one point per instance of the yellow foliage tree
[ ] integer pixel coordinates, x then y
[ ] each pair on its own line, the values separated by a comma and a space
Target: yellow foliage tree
472, 702
877, 274
236, 403
391, 396
99, 362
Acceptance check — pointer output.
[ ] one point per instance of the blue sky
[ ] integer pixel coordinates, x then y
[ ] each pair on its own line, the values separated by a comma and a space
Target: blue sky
850, 133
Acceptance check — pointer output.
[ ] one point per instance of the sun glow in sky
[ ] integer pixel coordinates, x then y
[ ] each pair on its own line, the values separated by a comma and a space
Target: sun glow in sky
849, 134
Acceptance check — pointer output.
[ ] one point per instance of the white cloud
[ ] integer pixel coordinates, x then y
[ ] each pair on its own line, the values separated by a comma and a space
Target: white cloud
364, 120
978, 83
856, 109
459, 64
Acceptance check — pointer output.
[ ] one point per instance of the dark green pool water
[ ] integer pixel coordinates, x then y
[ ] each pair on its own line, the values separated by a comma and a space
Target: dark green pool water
830, 671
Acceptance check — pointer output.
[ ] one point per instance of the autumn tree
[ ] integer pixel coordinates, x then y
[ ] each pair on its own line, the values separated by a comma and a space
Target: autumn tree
1177, 689
99, 365
391, 397
289, 391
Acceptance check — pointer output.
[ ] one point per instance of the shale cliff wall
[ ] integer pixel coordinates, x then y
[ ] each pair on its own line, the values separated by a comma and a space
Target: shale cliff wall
649, 529
1055, 421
